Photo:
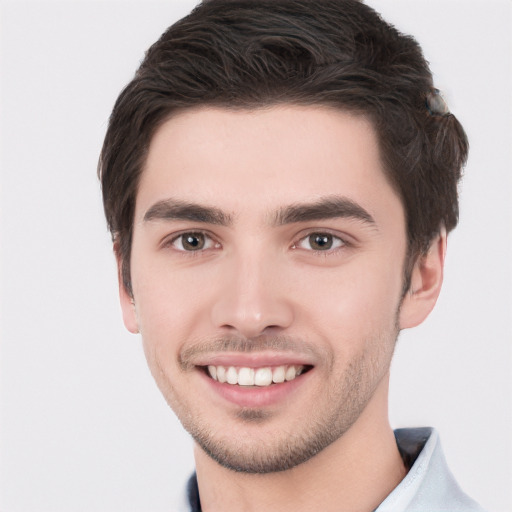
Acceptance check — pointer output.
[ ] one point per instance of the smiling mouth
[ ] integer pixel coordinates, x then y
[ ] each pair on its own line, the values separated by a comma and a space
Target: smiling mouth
260, 377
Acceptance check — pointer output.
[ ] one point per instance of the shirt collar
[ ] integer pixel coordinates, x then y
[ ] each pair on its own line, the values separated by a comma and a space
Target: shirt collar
428, 485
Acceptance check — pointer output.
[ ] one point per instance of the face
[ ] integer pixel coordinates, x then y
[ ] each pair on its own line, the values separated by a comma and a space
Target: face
267, 270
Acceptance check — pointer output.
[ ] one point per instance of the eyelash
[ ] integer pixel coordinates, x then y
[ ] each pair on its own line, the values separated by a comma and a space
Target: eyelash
338, 242
209, 240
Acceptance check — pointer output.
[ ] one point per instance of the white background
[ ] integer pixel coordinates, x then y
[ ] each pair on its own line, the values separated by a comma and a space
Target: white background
83, 427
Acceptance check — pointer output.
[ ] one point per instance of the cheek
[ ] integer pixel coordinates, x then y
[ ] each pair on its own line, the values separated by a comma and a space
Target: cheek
172, 302
164, 307
354, 302
167, 320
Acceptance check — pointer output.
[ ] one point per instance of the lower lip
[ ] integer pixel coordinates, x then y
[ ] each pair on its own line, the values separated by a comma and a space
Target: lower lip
254, 396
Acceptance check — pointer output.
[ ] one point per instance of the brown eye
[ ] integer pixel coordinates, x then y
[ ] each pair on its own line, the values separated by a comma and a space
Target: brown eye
194, 241
320, 241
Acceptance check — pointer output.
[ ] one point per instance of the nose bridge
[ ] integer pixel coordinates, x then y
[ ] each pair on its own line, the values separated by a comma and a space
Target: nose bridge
252, 297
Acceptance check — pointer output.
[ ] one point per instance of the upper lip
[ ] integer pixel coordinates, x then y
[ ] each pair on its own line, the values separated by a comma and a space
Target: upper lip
253, 360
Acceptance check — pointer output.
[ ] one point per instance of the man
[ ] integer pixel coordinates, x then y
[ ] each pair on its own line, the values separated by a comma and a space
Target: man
279, 179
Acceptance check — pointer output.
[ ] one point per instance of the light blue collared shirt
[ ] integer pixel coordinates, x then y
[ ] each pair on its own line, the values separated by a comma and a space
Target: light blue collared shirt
429, 485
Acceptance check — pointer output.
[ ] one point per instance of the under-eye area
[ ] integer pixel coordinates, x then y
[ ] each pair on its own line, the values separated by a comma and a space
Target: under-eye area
260, 377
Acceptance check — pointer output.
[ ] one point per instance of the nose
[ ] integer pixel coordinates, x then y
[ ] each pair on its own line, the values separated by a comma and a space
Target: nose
252, 298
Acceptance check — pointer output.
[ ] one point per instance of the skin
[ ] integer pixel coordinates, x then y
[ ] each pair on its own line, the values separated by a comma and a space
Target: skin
261, 284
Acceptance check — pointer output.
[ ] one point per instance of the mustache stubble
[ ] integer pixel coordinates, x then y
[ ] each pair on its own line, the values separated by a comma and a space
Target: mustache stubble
264, 343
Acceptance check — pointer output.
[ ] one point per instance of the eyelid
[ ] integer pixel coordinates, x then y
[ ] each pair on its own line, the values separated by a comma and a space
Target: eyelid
170, 240
345, 242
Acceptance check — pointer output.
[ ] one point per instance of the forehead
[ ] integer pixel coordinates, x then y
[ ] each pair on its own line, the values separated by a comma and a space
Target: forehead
257, 160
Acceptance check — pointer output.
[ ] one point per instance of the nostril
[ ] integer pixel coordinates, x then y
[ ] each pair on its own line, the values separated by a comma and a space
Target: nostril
252, 312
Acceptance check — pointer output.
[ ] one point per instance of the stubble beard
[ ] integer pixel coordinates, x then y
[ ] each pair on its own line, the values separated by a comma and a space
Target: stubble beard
345, 399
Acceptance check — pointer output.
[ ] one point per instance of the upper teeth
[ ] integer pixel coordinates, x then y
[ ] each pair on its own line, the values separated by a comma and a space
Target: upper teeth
244, 376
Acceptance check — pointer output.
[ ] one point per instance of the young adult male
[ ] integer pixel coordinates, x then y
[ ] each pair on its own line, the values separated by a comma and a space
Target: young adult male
279, 178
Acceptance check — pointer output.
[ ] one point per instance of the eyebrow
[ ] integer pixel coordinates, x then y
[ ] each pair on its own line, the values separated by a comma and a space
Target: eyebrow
329, 207
171, 209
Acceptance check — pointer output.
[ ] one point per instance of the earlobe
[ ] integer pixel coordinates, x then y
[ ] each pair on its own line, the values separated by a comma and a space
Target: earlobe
426, 282
126, 299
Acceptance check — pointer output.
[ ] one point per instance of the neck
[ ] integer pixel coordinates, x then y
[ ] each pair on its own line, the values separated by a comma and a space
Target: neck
354, 473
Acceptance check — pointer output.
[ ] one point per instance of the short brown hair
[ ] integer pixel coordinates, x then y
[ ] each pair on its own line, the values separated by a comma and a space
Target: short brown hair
242, 54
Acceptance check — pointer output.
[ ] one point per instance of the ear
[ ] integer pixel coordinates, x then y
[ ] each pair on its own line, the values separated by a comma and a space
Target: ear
125, 297
426, 281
